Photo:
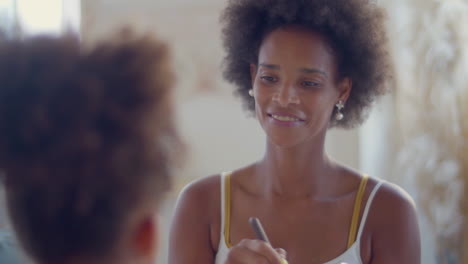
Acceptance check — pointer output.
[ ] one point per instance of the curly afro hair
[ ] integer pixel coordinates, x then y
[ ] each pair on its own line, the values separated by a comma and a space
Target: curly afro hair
84, 135
354, 29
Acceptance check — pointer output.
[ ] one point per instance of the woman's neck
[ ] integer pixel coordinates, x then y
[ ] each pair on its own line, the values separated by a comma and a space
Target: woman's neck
299, 171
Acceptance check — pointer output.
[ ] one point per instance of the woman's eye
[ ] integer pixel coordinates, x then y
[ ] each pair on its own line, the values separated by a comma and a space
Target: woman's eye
309, 83
268, 78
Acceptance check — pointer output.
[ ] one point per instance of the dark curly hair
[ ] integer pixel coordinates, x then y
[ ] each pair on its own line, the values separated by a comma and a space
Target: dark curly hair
85, 138
353, 28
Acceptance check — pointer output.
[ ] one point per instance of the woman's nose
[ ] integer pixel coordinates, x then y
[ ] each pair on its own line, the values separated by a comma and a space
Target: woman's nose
286, 95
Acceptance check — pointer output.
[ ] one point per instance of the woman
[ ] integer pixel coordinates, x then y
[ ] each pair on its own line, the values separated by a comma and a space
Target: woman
303, 67
81, 146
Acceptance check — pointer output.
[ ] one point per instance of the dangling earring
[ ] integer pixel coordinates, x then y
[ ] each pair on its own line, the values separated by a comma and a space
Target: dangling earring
339, 115
251, 92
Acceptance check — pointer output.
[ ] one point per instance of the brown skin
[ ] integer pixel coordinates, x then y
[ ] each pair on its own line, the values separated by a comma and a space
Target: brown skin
304, 200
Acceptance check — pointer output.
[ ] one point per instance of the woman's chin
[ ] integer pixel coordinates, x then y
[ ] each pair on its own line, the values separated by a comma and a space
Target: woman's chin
281, 142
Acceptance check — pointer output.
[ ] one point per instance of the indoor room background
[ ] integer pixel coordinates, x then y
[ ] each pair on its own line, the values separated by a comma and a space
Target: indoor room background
416, 136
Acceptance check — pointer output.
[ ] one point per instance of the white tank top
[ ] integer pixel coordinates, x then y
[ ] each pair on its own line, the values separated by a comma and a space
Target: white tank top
351, 256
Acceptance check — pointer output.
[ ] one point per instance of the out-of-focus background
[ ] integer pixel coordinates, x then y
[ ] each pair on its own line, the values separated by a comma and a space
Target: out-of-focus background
416, 136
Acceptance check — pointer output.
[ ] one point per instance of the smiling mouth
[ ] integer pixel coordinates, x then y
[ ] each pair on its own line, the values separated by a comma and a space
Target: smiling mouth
284, 118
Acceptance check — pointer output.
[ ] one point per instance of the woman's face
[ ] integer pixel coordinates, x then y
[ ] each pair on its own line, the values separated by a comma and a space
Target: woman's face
295, 85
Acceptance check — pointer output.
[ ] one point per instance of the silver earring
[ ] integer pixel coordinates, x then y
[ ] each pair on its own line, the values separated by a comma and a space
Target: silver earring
339, 115
251, 92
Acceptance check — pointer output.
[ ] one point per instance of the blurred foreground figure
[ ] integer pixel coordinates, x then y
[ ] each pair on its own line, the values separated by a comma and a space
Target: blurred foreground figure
86, 140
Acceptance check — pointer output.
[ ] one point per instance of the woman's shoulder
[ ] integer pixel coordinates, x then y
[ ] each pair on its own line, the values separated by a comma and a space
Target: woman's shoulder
392, 224
196, 221
390, 194
209, 188
392, 209
202, 190
198, 200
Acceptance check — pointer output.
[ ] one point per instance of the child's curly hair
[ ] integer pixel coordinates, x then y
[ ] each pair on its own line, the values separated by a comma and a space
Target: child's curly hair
353, 28
84, 138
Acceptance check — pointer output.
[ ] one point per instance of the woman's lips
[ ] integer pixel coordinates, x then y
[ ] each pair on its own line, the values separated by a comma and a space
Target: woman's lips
285, 119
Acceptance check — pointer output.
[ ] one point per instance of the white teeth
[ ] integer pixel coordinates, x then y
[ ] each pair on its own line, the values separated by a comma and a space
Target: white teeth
285, 118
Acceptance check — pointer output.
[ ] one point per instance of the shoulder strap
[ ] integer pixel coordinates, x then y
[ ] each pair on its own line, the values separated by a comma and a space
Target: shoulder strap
367, 209
357, 210
223, 209
226, 206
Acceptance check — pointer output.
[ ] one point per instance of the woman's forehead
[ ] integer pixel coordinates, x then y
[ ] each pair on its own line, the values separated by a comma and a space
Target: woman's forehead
296, 47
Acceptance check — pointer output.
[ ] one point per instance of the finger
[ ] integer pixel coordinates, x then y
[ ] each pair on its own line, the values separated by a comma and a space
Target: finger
262, 248
281, 252
240, 254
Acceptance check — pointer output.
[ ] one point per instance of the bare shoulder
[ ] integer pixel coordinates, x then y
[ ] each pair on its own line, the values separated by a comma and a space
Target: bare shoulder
393, 196
201, 193
195, 224
393, 226
391, 207
202, 187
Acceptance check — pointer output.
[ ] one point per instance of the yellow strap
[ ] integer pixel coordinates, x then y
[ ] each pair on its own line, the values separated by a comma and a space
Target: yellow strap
227, 209
356, 211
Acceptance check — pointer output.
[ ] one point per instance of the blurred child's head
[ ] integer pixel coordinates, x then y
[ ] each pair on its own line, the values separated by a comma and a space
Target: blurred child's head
86, 136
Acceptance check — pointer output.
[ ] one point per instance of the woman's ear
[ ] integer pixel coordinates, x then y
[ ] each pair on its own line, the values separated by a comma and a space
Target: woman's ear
345, 87
253, 73
146, 238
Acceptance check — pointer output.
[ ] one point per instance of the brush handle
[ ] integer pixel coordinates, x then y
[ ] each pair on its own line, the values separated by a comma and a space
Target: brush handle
258, 229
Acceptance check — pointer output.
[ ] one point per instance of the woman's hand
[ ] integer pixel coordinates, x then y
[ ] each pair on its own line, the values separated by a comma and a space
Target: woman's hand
250, 251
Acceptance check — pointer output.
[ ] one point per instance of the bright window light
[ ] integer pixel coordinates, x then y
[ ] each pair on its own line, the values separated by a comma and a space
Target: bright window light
43, 16
48, 16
